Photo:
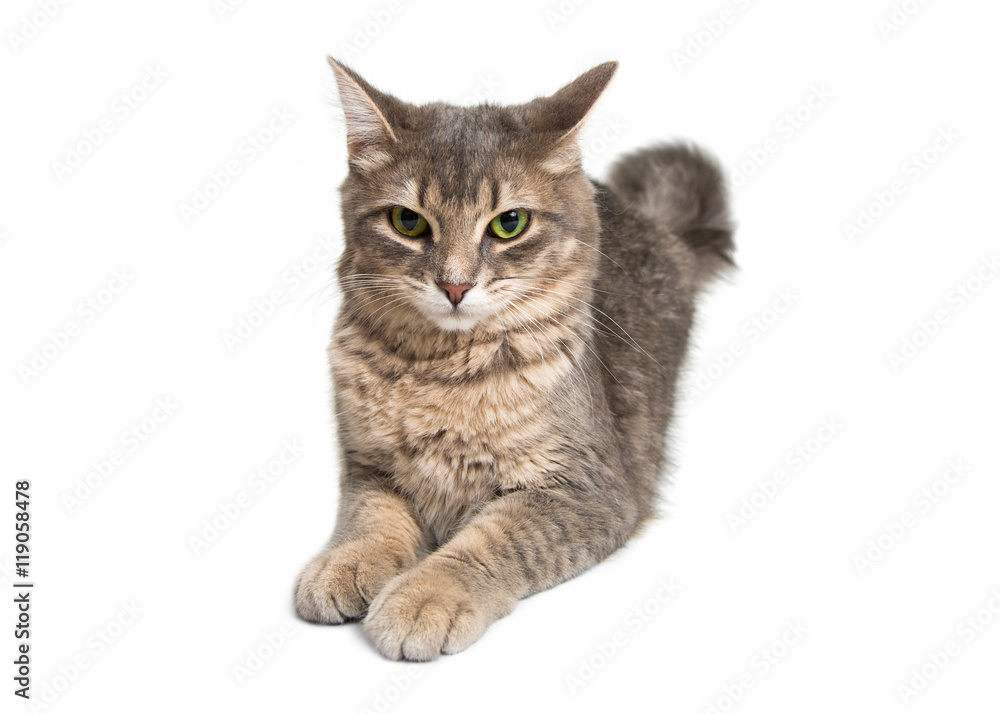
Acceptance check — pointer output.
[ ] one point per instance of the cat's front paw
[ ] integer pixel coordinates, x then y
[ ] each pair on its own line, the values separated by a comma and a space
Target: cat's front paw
337, 585
431, 610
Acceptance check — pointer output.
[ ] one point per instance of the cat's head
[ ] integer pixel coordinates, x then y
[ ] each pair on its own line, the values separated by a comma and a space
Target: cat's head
464, 218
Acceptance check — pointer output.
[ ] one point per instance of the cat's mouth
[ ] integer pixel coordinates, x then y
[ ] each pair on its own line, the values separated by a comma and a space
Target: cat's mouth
471, 312
456, 320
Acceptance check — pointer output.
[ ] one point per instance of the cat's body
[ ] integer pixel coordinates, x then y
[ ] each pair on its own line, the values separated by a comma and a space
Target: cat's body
501, 442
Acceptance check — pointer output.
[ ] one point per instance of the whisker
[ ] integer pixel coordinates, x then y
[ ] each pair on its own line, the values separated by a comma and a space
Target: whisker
581, 285
382, 309
527, 330
605, 255
594, 307
376, 298
586, 376
567, 282
597, 327
597, 357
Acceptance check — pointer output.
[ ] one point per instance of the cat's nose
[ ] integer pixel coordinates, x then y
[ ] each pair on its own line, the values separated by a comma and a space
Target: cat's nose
455, 292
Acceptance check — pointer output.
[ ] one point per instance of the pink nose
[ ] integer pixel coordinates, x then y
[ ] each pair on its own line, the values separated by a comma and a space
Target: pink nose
455, 292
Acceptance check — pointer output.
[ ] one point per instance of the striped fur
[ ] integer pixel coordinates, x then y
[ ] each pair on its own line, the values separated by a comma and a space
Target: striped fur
497, 448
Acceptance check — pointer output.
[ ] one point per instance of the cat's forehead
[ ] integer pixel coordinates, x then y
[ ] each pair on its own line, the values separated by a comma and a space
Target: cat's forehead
478, 127
468, 155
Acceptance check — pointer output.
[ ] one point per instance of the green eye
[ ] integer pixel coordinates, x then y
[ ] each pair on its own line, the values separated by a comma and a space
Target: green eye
410, 223
509, 224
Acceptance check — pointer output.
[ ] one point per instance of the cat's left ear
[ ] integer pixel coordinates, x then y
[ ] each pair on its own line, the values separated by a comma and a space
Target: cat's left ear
563, 114
370, 116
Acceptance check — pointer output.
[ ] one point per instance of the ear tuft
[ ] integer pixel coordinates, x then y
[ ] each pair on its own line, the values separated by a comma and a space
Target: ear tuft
369, 133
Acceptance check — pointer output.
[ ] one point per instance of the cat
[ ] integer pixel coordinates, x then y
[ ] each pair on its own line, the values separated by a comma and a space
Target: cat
505, 357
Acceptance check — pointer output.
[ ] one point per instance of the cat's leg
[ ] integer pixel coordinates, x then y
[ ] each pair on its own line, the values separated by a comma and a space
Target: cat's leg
377, 537
521, 543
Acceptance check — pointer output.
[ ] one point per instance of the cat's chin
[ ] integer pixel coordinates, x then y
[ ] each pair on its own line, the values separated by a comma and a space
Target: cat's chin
456, 322
464, 319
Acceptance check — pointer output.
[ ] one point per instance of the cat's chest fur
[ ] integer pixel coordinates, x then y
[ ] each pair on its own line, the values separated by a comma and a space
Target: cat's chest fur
451, 431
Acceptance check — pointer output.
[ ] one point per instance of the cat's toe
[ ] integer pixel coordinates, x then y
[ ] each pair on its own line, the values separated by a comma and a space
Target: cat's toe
317, 589
337, 586
467, 626
423, 614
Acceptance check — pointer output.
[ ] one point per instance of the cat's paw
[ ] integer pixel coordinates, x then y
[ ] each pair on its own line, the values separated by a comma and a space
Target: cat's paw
428, 611
337, 585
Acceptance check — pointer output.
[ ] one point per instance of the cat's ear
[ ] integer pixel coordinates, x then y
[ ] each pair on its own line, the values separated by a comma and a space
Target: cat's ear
369, 114
563, 114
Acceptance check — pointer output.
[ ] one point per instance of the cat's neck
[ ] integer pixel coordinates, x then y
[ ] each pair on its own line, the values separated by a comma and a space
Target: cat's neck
410, 344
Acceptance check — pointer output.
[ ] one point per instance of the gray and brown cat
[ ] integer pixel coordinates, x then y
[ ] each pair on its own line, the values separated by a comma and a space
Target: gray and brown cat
505, 358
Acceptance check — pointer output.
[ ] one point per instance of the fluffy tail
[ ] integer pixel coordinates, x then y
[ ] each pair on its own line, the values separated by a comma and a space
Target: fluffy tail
681, 187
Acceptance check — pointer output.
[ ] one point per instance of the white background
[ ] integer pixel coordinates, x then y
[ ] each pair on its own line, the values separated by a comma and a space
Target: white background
190, 282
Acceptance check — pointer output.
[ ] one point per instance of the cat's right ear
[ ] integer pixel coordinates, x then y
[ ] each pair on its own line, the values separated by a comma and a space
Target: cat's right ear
368, 113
